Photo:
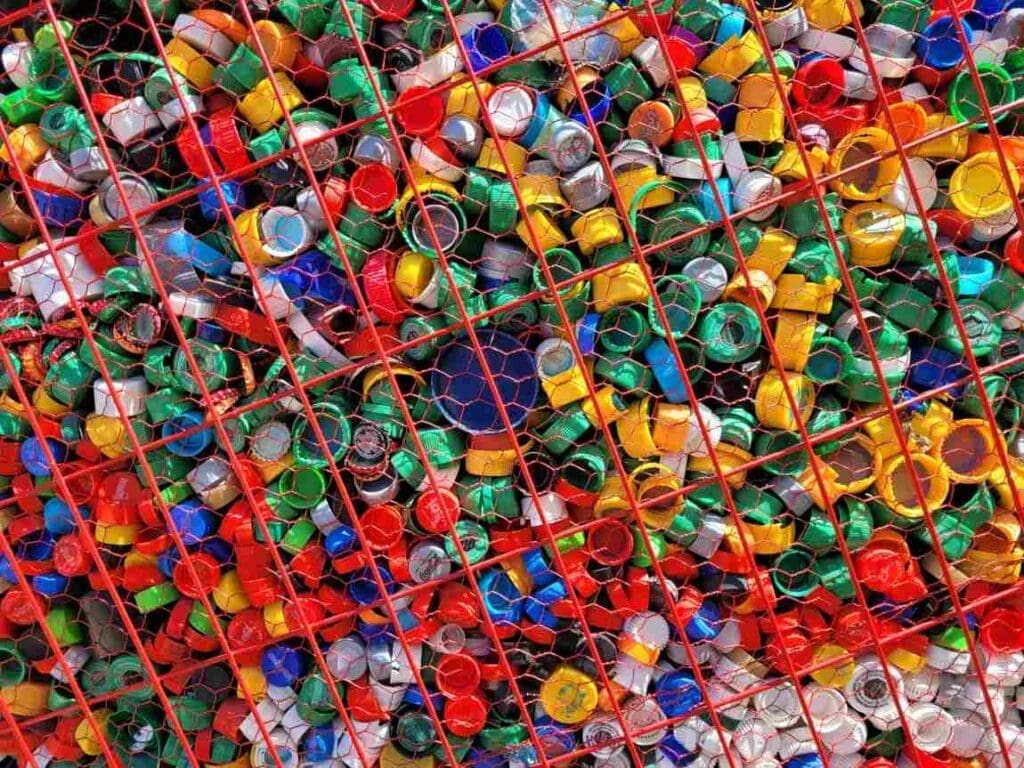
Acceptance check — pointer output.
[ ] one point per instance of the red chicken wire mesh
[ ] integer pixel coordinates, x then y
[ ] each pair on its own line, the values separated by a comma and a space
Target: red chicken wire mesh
528, 635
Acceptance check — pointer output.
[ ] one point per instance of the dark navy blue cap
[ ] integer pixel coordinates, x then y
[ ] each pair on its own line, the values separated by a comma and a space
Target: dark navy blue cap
459, 381
677, 693
167, 561
932, 367
480, 758
706, 622
939, 43
7, 572
658, 355
414, 698
363, 589
34, 458
675, 752
341, 540
485, 45
726, 114
193, 520
60, 211
586, 332
318, 743
58, 518
50, 584
209, 203
598, 102
282, 665
218, 548
191, 444
211, 331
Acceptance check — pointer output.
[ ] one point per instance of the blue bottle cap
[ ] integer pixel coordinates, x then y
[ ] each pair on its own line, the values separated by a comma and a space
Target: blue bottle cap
282, 665
218, 548
598, 102
167, 561
459, 382
58, 518
586, 332
932, 367
677, 693
541, 110
810, 760
658, 355
34, 458
731, 24
705, 199
187, 247
7, 572
363, 589
552, 593
50, 584
341, 540
414, 697
318, 743
191, 444
706, 623
975, 274
537, 567
209, 203
57, 210
503, 601
939, 43
193, 520
485, 45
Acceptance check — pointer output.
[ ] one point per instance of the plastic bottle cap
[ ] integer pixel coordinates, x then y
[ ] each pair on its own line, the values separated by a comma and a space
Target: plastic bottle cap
373, 187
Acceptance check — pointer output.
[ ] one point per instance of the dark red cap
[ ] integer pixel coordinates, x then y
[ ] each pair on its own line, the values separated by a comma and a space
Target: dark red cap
610, 542
69, 556
247, 629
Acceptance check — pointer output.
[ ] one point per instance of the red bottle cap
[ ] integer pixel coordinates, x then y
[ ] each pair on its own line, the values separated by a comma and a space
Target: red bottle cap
382, 526
1013, 251
207, 572
420, 110
818, 83
437, 510
457, 674
458, 605
307, 611
392, 10
465, 716
69, 556
610, 542
16, 605
373, 187
247, 630
118, 498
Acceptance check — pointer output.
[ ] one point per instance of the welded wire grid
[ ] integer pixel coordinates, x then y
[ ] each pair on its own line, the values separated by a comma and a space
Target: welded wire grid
188, 662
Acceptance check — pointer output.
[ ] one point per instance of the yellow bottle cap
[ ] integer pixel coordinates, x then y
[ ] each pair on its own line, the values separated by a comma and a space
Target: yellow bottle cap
873, 230
274, 619
28, 145
871, 167
596, 229
896, 485
412, 274
833, 676
189, 63
281, 43
251, 679
85, 735
228, 595
568, 696
978, 188
543, 227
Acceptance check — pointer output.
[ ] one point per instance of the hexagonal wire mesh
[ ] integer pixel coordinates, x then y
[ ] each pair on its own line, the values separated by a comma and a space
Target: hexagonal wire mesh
425, 401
